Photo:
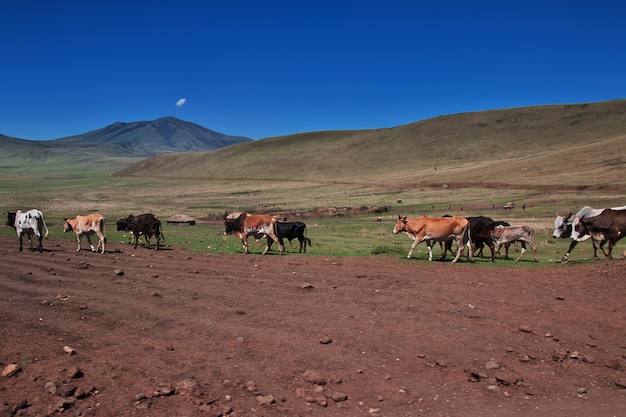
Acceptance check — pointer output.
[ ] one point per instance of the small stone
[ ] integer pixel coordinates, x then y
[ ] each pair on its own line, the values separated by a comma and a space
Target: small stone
10, 370
74, 372
325, 340
582, 391
525, 328
492, 365
119, 272
265, 399
69, 350
339, 396
314, 377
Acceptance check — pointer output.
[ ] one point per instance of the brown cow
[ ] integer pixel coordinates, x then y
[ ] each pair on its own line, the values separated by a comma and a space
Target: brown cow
88, 225
243, 225
434, 230
608, 226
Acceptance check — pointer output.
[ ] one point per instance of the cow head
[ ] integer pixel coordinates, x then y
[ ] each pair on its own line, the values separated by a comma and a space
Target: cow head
400, 226
11, 219
67, 226
233, 223
562, 226
579, 230
122, 224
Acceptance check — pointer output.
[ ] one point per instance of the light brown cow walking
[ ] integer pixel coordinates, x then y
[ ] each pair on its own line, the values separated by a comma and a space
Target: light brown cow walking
88, 225
438, 229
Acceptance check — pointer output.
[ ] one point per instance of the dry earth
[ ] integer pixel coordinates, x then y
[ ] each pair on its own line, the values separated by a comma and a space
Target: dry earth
165, 333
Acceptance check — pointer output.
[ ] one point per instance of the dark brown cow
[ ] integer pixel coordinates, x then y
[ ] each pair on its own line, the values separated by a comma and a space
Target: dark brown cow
243, 225
431, 230
143, 224
609, 226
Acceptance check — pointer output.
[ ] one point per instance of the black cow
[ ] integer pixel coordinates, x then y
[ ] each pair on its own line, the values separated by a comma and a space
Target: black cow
608, 226
290, 231
481, 228
144, 224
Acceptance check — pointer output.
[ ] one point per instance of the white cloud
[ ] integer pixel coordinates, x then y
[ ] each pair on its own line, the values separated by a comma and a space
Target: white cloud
181, 102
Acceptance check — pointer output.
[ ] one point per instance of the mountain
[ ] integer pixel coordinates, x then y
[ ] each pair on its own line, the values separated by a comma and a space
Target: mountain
569, 145
112, 147
150, 138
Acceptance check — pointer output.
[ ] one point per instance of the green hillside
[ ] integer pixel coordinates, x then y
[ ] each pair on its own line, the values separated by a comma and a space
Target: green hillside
558, 146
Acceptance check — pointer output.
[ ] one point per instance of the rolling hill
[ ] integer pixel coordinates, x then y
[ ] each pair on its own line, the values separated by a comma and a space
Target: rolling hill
112, 147
571, 146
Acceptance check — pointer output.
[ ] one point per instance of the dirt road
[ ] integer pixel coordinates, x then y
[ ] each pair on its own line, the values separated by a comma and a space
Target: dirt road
165, 333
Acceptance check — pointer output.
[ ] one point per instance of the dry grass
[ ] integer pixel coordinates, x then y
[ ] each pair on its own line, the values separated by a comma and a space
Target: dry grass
551, 157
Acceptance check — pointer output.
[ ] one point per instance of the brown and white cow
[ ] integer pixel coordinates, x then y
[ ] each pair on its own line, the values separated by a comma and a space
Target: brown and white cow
439, 229
88, 225
243, 225
608, 226
505, 235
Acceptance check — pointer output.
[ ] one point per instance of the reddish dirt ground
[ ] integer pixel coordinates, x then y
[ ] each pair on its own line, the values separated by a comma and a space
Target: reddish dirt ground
167, 333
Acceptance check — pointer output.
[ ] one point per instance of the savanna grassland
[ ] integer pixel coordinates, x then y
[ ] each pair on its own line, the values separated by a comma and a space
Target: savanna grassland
352, 327
546, 158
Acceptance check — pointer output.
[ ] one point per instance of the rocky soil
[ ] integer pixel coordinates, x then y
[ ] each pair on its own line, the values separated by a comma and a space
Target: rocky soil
167, 333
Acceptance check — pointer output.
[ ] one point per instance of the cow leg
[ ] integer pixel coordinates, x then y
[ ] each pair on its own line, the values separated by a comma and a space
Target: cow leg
89, 241
281, 248
522, 252
415, 242
609, 255
459, 248
101, 240
244, 240
601, 245
492, 249
21, 236
534, 248
78, 237
40, 248
429, 245
470, 251
572, 245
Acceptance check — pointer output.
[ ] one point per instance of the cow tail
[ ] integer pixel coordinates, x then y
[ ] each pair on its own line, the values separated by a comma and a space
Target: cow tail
103, 227
45, 226
161, 231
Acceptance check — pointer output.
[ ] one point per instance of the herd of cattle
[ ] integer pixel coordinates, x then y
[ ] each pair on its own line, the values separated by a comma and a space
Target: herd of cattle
599, 225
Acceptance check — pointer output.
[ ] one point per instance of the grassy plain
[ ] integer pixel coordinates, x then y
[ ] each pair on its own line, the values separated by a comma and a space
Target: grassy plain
548, 158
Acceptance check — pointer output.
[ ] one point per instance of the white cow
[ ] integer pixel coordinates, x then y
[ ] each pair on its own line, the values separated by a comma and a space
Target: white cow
29, 223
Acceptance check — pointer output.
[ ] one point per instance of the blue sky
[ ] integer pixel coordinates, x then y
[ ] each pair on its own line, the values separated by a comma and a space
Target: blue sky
269, 68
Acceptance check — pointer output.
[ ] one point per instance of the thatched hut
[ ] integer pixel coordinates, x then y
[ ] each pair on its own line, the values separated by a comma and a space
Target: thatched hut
181, 219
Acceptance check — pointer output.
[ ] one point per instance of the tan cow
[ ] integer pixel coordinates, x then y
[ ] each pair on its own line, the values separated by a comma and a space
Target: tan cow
438, 229
88, 225
243, 225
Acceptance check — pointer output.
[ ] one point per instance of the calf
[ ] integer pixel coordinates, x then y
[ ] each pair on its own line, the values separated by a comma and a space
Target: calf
504, 235
243, 225
290, 231
87, 225
29, 223
143, 224
431, 230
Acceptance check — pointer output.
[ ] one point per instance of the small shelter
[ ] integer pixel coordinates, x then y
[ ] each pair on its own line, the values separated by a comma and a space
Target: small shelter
181, 219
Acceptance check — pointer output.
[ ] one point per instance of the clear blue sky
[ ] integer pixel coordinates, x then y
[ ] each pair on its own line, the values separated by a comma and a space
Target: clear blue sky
270, 68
